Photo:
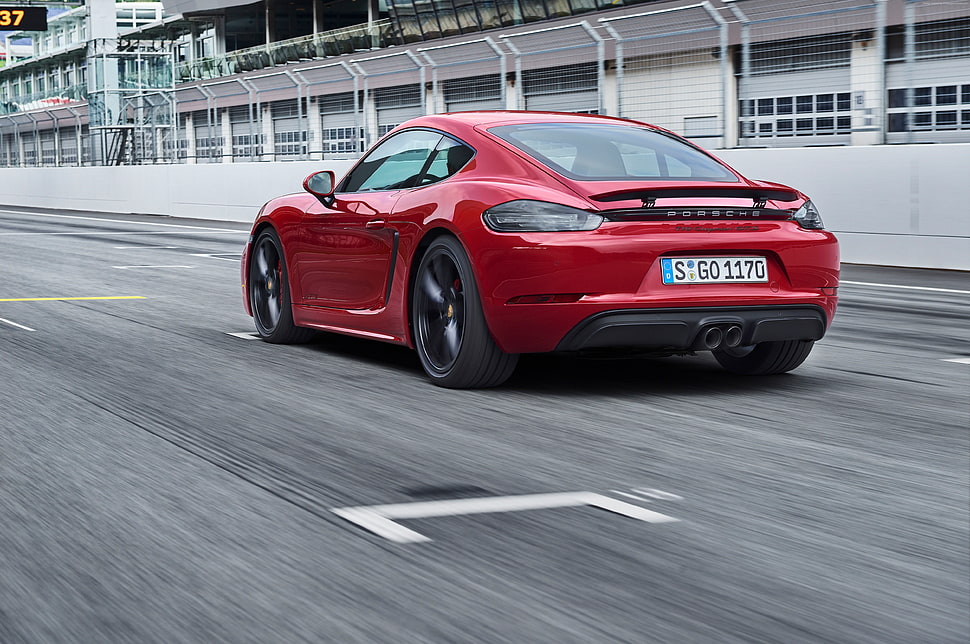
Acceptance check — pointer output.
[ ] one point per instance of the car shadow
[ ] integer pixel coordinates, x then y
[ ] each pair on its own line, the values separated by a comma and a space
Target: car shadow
579, 375
582, 376
373, 352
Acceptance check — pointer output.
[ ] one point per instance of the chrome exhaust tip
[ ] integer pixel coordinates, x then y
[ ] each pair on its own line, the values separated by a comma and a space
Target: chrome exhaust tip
732, 337
713, 337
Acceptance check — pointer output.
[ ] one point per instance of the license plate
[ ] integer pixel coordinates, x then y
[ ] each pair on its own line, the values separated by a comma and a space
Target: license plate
713, 270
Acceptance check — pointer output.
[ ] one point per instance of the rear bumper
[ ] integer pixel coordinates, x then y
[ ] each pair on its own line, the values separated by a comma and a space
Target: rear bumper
686, 328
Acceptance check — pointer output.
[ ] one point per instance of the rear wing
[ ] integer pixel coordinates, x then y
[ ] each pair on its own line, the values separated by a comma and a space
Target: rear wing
760, 196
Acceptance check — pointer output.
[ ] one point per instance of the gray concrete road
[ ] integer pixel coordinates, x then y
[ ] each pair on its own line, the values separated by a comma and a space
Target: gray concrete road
163, 481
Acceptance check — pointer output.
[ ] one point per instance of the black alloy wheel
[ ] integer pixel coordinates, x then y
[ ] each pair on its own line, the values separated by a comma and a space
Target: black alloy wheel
452, 339
269, 293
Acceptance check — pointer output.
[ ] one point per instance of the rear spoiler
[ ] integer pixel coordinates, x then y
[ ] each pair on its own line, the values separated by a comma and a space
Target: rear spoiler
648, 196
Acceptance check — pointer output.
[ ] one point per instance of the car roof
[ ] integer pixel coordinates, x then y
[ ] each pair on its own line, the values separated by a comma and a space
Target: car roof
509, 117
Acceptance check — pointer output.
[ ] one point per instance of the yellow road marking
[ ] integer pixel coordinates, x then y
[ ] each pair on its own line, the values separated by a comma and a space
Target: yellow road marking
59, 299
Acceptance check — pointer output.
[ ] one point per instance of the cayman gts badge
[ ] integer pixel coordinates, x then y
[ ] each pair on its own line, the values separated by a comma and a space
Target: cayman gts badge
717, 228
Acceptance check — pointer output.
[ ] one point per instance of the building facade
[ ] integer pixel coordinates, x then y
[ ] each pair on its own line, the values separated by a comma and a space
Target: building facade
212, 82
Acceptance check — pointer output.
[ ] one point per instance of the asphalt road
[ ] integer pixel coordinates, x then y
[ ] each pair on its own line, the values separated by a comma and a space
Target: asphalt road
163, 481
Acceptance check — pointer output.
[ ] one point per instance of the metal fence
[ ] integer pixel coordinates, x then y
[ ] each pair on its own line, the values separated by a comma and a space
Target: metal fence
672, 69
755, 73
810, 76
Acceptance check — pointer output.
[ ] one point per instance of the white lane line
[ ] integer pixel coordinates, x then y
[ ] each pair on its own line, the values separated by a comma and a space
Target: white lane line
144, 247
19, 326
113, 221
213, 256
379, 519
958, 360
910, 288
158, 266
245, 335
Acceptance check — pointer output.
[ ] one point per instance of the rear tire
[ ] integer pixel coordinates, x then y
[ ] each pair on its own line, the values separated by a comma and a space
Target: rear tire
765, 358
269, 293
450, 334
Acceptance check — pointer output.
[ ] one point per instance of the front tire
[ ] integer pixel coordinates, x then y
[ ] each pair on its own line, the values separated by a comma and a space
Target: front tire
269, 293
450, 334
765, 358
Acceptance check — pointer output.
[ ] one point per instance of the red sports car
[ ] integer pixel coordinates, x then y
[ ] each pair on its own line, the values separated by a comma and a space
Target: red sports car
474, 237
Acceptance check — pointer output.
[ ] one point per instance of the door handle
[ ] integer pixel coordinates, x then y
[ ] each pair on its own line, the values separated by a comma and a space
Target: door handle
374, 224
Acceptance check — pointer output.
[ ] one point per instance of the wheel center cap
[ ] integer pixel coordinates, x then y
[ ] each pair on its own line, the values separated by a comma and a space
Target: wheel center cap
451, 311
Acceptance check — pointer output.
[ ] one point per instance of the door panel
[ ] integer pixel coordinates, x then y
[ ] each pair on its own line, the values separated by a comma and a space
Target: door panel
345, 252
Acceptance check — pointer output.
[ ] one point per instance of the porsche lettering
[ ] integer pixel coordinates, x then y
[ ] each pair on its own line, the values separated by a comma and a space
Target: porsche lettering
714, 213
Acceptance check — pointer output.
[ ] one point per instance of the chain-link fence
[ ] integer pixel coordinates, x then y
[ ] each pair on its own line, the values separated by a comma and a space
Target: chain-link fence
558, 69
467, 76
672, 69
742, 73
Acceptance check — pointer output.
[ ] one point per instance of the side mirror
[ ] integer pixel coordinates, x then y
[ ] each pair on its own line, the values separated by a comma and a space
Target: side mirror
321, 185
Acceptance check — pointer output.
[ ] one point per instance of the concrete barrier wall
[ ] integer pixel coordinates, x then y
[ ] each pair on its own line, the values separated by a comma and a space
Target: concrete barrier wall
889, 205
899, 205
220, 191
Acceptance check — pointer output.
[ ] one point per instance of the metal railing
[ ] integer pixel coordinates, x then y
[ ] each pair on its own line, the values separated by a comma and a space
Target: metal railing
47, 99
376, 35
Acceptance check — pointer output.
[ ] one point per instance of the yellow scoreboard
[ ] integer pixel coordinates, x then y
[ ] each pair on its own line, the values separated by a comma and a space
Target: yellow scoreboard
23, 18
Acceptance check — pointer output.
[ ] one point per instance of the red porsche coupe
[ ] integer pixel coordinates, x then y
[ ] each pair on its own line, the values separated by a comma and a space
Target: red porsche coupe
475, 237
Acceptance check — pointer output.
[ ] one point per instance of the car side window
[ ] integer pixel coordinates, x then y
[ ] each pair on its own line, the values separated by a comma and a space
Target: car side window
450, 157
395, 164
677, 168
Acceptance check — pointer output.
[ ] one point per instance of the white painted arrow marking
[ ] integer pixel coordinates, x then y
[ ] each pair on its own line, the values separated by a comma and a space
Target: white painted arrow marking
379, 519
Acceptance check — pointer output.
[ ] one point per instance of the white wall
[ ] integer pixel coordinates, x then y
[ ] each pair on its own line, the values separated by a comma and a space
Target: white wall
221, 191
889, 205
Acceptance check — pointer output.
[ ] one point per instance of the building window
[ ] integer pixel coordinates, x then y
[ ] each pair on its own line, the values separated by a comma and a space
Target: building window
819, 115
291, 143
923, 96
937, 108
946, 120
343, 140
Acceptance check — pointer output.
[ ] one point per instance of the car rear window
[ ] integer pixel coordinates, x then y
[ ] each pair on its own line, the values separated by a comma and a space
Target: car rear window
606, 152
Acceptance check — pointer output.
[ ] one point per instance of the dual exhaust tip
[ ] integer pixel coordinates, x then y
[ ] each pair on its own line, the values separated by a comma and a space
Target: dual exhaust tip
715, 337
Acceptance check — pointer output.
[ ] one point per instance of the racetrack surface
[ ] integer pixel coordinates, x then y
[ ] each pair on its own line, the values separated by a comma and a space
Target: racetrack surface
163, 481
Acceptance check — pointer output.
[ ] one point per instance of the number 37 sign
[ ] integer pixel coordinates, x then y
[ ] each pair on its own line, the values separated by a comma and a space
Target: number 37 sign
23, 18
